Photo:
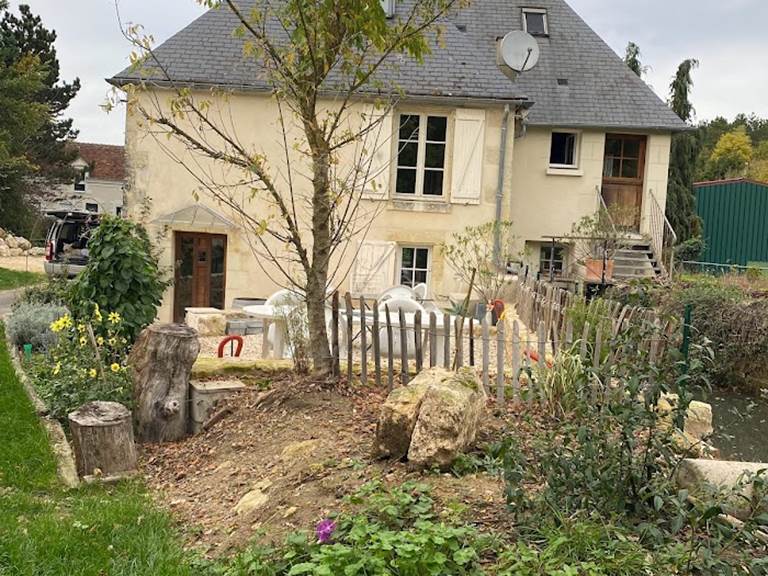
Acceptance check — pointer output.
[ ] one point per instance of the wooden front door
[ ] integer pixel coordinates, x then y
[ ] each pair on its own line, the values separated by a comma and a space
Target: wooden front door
200, 265
623, 170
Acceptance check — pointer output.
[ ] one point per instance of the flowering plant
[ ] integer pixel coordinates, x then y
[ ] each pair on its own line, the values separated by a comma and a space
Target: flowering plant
88, 363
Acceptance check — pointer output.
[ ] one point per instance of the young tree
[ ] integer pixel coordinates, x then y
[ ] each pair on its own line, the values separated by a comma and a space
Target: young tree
632, 58
681, 210
320, 58
758, 169
731, 156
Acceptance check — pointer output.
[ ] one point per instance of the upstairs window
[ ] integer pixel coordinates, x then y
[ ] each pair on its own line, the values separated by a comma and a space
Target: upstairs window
535, 21
563, 152
421, 155
552, 261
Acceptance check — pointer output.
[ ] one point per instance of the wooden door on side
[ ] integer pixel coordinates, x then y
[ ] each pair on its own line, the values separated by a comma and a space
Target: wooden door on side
623, 170
199, 272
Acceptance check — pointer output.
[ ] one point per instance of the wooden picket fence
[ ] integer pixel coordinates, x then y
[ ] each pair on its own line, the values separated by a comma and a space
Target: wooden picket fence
395, 346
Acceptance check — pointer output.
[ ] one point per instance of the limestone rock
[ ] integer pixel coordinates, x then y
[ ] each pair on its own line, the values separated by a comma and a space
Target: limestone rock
16, 252
11, 241
254, 499
3, 233
448, 419
698, 475
698, 417
37, 252
207, 321
398, 415
23, 243
4, 251
298, 450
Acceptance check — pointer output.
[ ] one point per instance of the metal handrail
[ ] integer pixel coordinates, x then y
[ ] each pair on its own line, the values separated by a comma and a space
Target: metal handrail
662, 234
604, 209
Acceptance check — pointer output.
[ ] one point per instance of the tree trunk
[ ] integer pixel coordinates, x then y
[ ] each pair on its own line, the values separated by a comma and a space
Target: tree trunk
318, 342
162, 360
102, 436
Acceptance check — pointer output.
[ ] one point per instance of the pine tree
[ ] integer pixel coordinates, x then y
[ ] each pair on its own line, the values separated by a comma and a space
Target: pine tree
632, 58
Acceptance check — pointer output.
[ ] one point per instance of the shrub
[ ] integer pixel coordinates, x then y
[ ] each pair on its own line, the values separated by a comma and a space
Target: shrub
30, 323
122, 275
88, 363
56, 290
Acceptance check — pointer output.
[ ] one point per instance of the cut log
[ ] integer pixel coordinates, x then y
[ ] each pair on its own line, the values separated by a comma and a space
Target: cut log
162, 360
102, 436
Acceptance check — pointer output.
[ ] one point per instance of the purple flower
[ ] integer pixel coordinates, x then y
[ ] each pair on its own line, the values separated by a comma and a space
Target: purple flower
324, 530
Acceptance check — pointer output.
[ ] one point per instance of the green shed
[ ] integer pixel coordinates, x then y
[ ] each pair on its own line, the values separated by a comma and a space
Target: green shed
735, 217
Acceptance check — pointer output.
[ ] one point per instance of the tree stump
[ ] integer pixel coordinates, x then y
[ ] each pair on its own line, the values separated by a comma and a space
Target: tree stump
162, 361
102, 436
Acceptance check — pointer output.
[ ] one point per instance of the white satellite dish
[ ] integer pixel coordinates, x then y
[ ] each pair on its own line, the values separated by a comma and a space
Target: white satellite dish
520, 51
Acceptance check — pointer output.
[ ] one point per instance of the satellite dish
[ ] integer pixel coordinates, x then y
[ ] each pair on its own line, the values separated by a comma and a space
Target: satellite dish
520, 51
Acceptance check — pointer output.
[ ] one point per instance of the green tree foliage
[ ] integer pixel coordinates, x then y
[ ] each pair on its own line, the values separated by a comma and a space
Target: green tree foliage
732, 155
758, 169
632, 58
681, 209
122, 276
710, 133
33, 99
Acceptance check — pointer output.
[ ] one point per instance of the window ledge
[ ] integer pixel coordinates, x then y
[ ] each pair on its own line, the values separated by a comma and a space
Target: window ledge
564, 171
440, 207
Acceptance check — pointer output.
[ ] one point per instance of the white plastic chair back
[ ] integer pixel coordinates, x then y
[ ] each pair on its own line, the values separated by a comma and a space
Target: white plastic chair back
396, 292
420, 291
408, 306
284, 298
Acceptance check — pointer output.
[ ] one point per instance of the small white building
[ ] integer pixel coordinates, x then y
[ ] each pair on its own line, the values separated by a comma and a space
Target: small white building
99, 181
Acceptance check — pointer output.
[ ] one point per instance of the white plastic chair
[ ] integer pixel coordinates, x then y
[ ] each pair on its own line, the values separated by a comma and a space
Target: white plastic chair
420, 292
396, 292
408, 306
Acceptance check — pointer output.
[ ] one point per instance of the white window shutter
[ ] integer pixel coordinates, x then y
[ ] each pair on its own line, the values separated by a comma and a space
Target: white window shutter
377, 156
468, 148
374, 268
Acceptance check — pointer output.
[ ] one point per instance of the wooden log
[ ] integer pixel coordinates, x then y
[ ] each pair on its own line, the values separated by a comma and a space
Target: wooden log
417, 334
376, 343
390, 351
363, 345
350, 357
162, 360
335, 351
102, 438
403, 348
432, 339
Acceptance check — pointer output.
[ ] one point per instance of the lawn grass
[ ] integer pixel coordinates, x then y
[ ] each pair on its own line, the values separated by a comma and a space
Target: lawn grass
10, 279
46, 530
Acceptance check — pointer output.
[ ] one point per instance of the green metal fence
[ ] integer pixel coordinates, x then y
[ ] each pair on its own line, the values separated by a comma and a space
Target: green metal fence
735, 218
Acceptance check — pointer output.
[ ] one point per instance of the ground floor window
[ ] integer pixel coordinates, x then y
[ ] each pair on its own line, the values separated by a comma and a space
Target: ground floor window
414, 265
552, 258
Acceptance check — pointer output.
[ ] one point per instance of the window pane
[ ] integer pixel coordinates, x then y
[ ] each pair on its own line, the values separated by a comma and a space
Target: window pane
631, 148
435, 156
630, 169
436, 127
406, 181
422, 258
433, 182
612, 167
408, 257
535, 23
408, 154
563, 151
409, 127
613, 147
420, 277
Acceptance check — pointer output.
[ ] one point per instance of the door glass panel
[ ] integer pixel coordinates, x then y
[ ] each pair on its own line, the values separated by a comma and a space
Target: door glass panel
630, 169
631, 148
613, 147
184, 273
218, 261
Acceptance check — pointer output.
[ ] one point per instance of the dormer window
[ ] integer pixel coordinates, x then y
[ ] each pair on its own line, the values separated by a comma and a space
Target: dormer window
80, 176
535, 21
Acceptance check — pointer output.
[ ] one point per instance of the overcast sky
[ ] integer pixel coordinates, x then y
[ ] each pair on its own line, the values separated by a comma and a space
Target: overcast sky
727, 37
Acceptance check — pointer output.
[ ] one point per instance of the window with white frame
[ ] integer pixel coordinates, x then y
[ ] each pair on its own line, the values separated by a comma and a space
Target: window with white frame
535, 21
414, 265
552, 260
564, 150
421, 150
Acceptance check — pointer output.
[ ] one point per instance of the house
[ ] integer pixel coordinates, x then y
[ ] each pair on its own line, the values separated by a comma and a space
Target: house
733, 215
98, 183
576, 132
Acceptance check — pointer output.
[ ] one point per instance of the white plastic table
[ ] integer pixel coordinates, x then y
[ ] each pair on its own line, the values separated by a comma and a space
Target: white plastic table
271, 315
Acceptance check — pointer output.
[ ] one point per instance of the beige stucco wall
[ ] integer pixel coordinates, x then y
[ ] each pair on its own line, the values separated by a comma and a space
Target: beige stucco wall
538, 202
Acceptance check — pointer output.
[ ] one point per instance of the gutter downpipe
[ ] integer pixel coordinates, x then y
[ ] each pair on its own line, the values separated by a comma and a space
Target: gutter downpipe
500, 188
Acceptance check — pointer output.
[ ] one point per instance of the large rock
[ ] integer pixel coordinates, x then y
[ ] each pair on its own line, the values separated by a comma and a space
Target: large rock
4, 251
23, 243
398, 415
3, 233
706, 476
254, 499
16, 252
448, 420
698, 417
11, 241
207, 321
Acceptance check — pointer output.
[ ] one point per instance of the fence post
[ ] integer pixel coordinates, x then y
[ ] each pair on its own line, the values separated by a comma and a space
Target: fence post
350, 358
500, 363
335, 333
471, 340
515, 361
417, 339
432, 339
390, 351
585, 341
459, 342
403, 348
447, 341
376, 343
363, 344
486, 351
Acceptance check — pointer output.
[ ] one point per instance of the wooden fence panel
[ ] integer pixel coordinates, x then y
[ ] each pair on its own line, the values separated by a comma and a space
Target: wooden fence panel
500, 363
486, 351
515, 361
363, 344
447, 341
403, 349
376, 344
390, 351
350, 332
335, 352
432, 339
417, 339
459, 360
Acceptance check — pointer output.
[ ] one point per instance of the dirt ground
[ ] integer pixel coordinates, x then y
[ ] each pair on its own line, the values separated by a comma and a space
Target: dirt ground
23, 263
293, 451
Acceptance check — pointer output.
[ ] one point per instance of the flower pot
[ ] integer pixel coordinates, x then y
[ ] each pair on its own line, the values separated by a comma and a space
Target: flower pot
595, 270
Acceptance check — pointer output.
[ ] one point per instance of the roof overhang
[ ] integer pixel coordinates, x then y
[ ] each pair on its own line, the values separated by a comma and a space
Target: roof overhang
196, 216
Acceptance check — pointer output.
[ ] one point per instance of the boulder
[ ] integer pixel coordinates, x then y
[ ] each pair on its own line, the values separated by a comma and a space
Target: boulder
23, 243
207, 321
3, 233
254, 499
706, 476
11, 242
4, 251
398, 415
37, 252
448, 419
16, 252
698, 417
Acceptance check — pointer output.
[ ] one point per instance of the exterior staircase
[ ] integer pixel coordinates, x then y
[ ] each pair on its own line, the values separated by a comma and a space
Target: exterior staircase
636, 260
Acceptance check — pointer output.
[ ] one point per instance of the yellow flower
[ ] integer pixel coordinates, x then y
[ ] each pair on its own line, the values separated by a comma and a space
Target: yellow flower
57, 368
67, 321
115, 367
83, 340
114, 317
92, 372
55, 327
97, 313
100, 341
112, 341
81, 328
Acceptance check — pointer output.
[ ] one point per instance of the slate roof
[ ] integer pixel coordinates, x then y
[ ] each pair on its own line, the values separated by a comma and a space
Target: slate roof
106, 162
601, 91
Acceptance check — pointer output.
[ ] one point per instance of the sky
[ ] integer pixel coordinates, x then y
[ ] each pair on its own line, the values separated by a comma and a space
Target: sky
728, 38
